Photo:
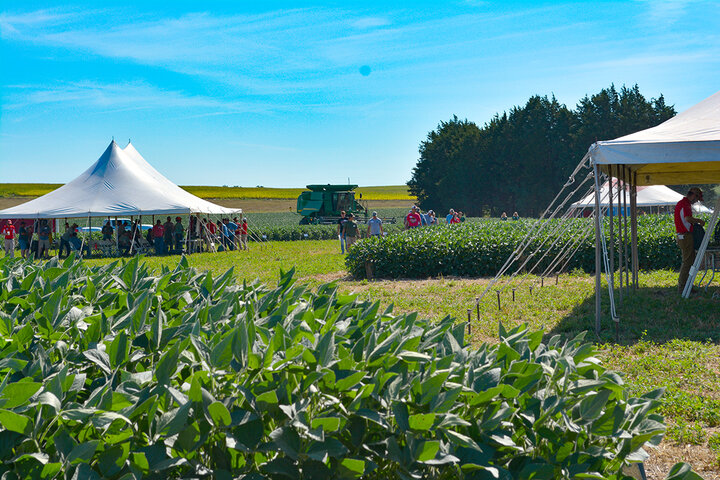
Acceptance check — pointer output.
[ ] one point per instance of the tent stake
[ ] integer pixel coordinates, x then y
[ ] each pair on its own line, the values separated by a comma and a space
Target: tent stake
477, 308
469, 321
498, 298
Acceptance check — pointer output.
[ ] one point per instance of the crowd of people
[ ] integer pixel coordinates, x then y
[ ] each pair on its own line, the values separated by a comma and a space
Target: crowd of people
36, 237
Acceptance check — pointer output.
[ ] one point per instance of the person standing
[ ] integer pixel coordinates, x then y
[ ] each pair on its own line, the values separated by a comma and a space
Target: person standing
65, 240
244, 234
374, 228
341, 230
684, 222
107, 231
449, 217
413, 219
43, 239
8, 232
158, 242
24, 238
168, 229
179, 234
350, 231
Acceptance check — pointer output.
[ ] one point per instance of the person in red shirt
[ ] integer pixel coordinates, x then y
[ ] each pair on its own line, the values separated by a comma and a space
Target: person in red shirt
8, 232
243, 234
684, 222
413, 219
158, 240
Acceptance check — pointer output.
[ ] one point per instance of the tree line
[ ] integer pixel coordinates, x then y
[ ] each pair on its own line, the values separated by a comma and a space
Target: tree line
520, 159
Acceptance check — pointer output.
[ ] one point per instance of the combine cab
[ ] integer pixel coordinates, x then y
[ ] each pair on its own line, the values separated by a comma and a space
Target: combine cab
323, 204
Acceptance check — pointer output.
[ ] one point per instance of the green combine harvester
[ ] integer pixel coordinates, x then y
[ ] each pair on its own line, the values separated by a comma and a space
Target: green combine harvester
323, 204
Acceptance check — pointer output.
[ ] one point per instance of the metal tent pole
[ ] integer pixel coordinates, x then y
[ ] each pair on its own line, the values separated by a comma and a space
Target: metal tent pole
625, 231
597, 250
612, 230
621, 239
634, 230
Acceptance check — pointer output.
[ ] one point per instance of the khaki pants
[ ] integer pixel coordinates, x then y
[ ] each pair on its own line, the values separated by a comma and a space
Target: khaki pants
688, 257
10, 247
349, 241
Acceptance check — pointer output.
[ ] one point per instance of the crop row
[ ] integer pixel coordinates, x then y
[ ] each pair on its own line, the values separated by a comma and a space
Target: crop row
115, 372
481, 248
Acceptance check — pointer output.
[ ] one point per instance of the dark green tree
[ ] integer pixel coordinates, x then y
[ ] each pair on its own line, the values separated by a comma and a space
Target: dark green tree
520, 160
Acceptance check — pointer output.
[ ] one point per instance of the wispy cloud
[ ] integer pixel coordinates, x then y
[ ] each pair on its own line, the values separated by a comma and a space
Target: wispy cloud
118, 96
665, 12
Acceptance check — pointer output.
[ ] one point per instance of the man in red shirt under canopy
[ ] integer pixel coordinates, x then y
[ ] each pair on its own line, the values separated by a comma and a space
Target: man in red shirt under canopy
684, 222
8, 232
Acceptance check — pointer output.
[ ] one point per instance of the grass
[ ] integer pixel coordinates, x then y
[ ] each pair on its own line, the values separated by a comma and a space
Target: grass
663, 341
391, 192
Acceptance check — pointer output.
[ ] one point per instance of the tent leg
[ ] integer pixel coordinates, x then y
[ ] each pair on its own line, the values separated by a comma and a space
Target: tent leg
634, 232
621, 239
625, 230
612, 231
597, 251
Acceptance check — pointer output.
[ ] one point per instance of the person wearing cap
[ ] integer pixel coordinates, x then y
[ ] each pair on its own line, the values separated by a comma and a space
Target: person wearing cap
8, 232
450, 216
374, 228
341, 230
350, 231
413, 219
684, 222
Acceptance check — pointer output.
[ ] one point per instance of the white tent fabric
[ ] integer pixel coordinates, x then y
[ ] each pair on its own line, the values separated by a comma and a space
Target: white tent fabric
121, 182
682, 150
647, 196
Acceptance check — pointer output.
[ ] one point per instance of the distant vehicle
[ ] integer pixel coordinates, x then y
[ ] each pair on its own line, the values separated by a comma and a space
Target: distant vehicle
323, 204
120, 221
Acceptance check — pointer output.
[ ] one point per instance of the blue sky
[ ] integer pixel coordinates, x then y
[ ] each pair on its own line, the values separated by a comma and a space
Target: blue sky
288, 93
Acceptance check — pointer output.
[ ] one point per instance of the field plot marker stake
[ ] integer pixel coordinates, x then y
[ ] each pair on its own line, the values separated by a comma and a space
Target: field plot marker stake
531, 290
498, 296
513, 290
469, 320
542, 282
477, 307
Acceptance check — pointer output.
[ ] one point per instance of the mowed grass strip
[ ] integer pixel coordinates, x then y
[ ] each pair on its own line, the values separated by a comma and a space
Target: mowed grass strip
664, 341
391, 192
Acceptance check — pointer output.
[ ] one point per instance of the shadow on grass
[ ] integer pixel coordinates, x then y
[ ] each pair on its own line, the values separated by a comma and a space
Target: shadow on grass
657, 314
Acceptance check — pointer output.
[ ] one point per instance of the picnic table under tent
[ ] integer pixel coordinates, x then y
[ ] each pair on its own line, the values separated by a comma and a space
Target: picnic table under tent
120, 183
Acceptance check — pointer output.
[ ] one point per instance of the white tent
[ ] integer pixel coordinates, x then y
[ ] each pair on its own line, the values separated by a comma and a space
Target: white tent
647, 196
682, 150
121, 182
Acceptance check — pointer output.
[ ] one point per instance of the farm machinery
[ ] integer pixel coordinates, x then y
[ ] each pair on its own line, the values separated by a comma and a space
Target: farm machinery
322, 204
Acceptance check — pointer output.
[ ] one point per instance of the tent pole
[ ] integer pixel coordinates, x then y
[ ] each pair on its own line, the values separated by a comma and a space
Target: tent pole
117, 234
633, 230
612, 231
620, 187
597, 249
625, 232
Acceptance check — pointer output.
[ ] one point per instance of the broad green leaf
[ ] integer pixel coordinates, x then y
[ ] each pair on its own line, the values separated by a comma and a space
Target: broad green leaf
422, 421
15, 422
83, 452
328, 424
427, 450
17, 394
219, 414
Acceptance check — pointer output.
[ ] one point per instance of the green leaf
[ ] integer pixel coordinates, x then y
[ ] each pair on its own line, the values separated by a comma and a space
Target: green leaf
83, 453
118, 351
427, 450
328, 424
682, 471
17, 394
422, 421
15, 422
287, 440
166, 366
268, 397
219, 414
352, 467
221, 355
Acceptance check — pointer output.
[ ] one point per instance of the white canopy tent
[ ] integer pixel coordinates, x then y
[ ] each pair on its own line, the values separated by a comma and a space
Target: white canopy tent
120, 183
647, 196
682, 150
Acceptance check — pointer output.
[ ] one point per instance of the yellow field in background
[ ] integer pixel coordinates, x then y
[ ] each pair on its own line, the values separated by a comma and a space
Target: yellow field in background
391, 192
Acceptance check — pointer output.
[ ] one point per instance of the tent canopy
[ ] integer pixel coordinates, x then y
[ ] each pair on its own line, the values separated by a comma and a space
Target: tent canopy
647, 196
121, 182
682, 150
